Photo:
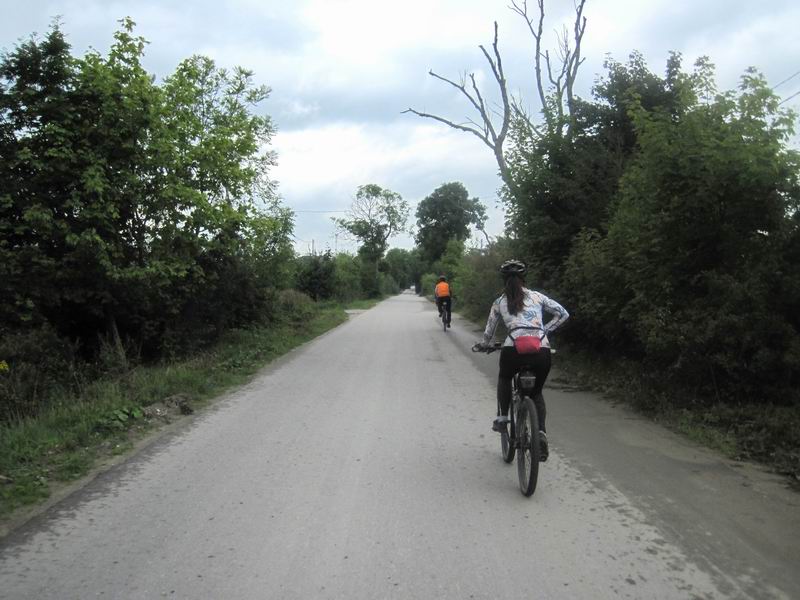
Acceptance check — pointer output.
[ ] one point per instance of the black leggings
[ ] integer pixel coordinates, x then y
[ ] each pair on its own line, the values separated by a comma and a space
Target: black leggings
511, 362
444, 303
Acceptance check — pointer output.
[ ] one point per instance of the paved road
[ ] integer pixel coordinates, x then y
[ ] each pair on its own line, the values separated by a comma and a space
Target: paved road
362, 466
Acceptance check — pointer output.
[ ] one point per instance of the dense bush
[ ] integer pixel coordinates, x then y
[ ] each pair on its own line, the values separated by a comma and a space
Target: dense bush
480, 282
38, 366
347, 278
428, 283
295, 306
404, 266
344, 277
667, 223
387, 285
692, 273
315, 275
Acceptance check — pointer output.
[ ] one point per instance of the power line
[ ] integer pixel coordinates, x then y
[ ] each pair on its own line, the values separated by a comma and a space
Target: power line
318, 211
789, 98
785, 80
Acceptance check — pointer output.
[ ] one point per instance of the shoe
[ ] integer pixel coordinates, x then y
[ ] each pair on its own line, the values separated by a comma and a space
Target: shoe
544, 449
448, 325
500, 425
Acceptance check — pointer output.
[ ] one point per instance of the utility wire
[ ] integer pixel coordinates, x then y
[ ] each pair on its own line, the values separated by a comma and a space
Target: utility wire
789, 98
785, 80
318, 211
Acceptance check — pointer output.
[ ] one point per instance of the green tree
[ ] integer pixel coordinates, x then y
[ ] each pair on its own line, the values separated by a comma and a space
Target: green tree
375, 216
86, 143
449, 264
132, 210
569, 183
446, 214
37, 170
217, 182
224, 145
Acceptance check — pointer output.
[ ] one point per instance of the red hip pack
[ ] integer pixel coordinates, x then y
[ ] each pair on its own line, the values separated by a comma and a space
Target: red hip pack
526, 344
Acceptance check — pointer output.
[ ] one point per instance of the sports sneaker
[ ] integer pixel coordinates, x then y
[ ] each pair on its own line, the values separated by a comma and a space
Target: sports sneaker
544, 450
499, 424
448, 325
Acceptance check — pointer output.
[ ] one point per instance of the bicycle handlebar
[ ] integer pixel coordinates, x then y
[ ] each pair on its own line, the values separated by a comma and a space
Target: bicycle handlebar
479, 347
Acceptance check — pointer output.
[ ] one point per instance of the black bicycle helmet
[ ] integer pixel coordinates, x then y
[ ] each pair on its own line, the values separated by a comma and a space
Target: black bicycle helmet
513, 267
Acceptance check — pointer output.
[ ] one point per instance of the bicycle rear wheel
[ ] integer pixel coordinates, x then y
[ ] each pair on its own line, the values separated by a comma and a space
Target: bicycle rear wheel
528, 449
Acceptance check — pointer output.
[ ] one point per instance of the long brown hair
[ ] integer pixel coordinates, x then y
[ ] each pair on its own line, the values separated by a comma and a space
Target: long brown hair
515, 297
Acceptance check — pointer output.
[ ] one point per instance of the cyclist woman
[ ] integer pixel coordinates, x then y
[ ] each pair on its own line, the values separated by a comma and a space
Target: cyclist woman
522, 311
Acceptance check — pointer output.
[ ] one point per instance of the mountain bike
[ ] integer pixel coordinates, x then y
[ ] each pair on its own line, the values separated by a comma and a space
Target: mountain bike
521, 435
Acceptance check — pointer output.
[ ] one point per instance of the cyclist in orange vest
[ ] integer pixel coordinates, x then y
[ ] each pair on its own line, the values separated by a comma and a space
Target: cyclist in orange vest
443, 297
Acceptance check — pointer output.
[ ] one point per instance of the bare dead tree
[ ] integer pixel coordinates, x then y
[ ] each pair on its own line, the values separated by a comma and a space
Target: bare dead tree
560, 85
561, 78
482, 229
485, 129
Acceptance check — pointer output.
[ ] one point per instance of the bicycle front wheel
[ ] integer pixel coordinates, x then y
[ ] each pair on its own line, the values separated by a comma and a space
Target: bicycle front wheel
528, 449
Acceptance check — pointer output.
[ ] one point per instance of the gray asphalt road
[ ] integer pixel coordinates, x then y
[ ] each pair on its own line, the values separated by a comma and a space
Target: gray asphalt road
362, 465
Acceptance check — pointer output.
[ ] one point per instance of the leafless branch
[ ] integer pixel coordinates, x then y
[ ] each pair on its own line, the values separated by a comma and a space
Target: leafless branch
479, 126
449, 123
561, 78
461, 87
486, 235
522, 10
487, 123
575, 60
483, 127
501, 81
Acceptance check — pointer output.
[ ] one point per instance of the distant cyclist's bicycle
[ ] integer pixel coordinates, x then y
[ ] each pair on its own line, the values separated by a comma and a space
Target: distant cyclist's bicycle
521, 435
446, 313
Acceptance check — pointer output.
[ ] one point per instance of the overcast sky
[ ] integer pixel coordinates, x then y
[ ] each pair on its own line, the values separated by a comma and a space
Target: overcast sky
342, 71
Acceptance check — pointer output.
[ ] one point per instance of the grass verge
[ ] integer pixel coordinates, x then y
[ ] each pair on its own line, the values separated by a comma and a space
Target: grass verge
757, 431
109, 415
